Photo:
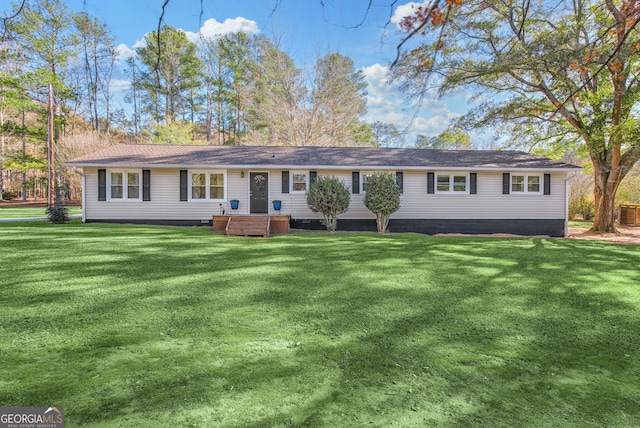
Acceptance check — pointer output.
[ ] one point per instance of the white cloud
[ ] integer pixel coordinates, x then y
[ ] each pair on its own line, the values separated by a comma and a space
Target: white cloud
404, 10
124, 52
388, 104
213, 28
140, 43
120, 85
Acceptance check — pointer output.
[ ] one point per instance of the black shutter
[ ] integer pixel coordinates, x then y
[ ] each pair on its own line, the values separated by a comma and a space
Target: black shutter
547, 184
355, 182
312, 177
400, 180
285, 181
473, 183
146, 185
506, 183
430, 183
102, 184
184, 185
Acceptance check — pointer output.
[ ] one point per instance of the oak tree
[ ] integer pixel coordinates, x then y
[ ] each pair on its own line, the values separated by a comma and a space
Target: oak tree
567, 68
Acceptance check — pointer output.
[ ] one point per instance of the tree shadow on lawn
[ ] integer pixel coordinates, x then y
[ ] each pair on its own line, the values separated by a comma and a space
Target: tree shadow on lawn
181, 326
493, 341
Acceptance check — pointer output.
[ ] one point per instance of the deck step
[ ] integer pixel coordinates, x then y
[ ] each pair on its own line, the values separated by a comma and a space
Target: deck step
248, 226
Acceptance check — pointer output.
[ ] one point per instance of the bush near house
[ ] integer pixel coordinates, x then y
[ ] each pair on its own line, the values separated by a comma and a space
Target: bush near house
382, 198
330, 197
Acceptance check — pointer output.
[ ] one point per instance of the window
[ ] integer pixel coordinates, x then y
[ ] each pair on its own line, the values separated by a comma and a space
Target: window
299, 181
117, 189
124, 185
444, 182
451, 183
216, 186
365, 181
207, 186
525, 183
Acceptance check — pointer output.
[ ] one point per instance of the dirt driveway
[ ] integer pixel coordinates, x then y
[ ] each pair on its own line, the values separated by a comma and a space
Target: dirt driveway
625, 235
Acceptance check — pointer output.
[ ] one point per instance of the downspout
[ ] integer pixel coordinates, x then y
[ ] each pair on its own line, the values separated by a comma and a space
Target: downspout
84, 196
566, 205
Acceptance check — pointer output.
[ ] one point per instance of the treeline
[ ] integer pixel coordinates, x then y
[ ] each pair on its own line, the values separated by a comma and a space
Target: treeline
241, 89
227, 89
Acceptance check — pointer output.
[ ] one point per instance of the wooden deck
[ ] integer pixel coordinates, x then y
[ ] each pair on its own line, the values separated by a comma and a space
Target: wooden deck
251, 225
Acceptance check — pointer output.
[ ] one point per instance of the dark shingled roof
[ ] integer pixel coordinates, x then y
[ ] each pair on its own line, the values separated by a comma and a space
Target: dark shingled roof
130, 155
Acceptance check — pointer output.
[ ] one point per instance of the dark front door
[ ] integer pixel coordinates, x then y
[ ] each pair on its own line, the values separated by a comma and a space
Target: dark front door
259, 198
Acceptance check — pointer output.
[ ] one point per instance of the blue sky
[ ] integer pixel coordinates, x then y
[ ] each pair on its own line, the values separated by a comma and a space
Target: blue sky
305, 28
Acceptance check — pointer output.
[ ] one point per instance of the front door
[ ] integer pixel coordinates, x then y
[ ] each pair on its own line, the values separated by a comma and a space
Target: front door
259, 192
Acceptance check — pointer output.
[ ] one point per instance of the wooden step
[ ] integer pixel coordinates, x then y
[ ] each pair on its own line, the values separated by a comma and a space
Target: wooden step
248, 226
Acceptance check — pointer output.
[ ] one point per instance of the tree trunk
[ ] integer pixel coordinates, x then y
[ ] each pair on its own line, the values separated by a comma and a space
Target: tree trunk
382, 221
604, 192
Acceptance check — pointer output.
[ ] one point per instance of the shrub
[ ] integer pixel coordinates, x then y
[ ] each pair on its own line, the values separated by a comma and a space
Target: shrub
7, 196
382, 198
58, 214
330, 197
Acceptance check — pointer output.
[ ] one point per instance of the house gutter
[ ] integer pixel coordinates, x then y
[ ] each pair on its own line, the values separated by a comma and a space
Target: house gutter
324, 167
566, 206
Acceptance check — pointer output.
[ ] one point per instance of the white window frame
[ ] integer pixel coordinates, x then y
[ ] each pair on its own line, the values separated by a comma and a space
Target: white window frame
291, 182
207, 180
364, 180
125, 186
452, 176
526, 190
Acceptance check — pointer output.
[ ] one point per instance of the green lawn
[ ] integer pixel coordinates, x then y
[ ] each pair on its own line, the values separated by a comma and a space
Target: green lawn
581, 224
166, 326
30, 212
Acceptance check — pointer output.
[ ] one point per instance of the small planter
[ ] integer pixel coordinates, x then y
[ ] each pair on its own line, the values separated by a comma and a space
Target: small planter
277, 205
234, 204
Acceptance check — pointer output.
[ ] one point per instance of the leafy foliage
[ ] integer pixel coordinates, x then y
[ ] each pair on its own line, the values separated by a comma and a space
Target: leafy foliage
387, 135
58, 214
330, 197
382, 198
451, 139
178, 132
168, 77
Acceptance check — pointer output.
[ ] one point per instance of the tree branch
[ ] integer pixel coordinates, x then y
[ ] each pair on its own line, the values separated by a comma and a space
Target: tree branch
6, 19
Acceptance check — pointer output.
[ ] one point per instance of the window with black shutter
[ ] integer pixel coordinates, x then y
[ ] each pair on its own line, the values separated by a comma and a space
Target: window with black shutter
355, 182
547, 184
431, 188
506, 183
146, 185
184, 185
285, 181
400, 180
102, 184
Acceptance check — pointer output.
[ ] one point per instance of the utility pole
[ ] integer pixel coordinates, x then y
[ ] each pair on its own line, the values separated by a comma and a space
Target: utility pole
50, 157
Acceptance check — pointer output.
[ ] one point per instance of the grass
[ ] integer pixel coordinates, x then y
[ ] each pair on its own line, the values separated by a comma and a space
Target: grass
581, 224
160, 326
31, 212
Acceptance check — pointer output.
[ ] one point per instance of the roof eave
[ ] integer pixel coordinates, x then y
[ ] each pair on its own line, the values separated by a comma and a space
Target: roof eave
322, 167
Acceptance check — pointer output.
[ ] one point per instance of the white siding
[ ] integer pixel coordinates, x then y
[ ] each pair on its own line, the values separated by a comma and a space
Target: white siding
489, 202
415, 203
